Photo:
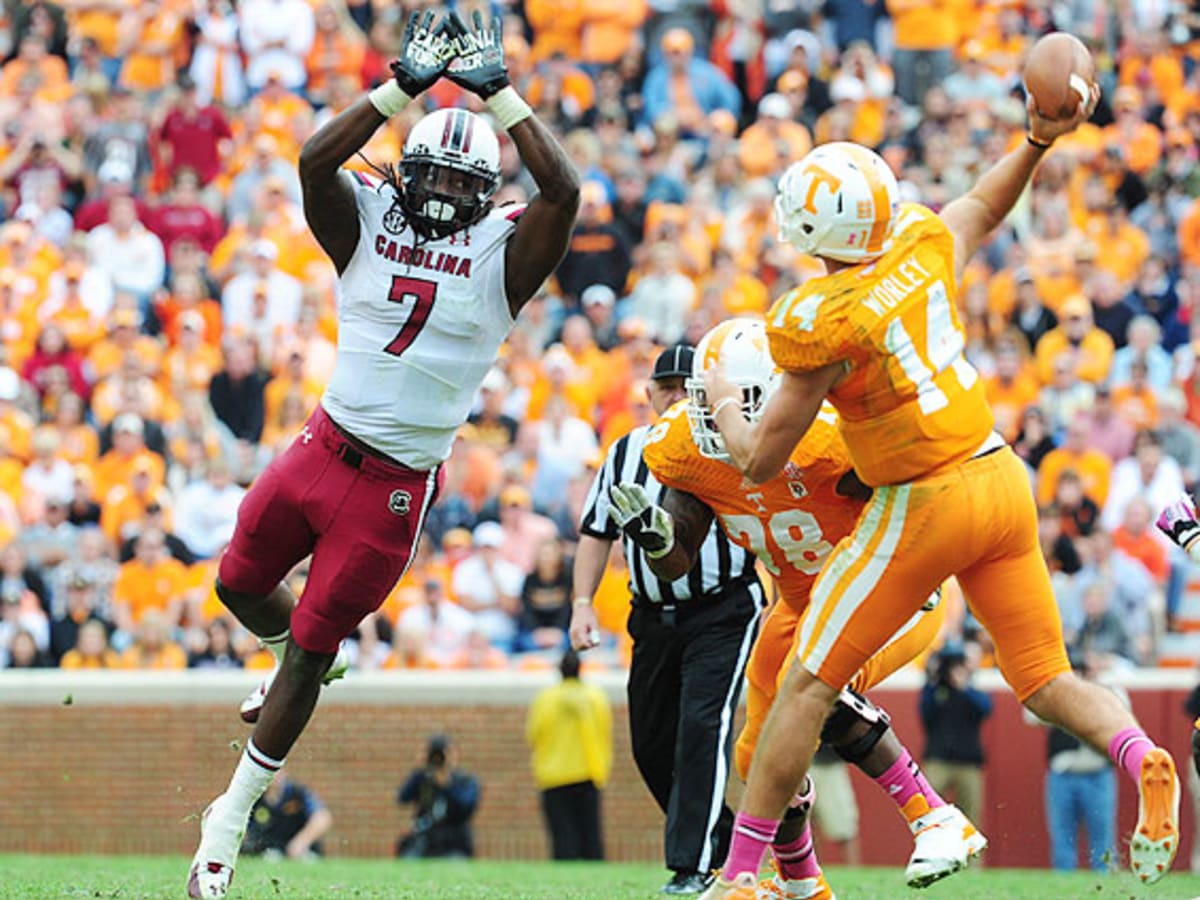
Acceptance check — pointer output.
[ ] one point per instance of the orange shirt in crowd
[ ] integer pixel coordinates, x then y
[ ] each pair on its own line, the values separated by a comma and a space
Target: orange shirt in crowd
925, 24
183, 371
51, 71
764, 153
16, 433
170, 309
1094, 352
556, 25
101, 25
1008, 401
150, 63
609, 28
142, 587
1137, 406
168, 657
332, 55
1147, 549
106, 355
1092, 466
1121, 252
113, 469
74, 660
1164, 70
123, 507
280, 386
576, 86
80, 444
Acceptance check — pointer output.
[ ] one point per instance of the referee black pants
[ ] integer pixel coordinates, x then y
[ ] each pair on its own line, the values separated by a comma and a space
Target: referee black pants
684, 683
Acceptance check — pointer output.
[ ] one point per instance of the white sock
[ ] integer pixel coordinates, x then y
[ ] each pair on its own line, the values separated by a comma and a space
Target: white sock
250, 779
277, 644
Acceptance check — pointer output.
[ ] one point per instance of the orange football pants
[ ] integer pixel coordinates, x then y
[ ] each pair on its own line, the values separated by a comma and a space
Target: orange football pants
976, 521
778, 644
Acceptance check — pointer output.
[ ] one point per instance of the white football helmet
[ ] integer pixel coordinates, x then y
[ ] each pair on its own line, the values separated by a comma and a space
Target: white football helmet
450, 169
839, 201
740, 347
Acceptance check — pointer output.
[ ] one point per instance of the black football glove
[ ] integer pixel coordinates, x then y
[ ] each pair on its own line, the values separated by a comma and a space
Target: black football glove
423, 56
644, 522
478, 63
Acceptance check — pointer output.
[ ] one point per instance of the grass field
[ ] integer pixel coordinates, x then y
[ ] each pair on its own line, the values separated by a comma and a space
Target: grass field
151, 878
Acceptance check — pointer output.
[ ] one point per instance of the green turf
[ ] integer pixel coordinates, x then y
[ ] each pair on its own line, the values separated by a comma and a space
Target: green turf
150, 878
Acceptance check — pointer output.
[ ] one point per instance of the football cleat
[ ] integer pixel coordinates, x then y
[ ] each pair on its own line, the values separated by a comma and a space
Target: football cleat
212, 866
780, 888
252, 705
945, 842
743, 887
1156, 837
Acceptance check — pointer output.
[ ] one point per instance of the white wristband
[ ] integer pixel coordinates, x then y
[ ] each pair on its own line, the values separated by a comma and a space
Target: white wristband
389, 99
716, 411
508, 107
583, 601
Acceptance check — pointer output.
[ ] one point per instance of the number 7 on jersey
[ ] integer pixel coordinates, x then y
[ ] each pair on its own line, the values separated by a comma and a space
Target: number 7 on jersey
419, 294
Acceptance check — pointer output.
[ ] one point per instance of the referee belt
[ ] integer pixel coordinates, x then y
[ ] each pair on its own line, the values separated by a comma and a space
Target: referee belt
668, 613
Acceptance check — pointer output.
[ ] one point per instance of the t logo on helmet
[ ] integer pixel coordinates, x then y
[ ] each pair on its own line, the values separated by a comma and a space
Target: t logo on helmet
818, 177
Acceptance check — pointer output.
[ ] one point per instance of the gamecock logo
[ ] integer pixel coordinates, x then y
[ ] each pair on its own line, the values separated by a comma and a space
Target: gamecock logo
400, 502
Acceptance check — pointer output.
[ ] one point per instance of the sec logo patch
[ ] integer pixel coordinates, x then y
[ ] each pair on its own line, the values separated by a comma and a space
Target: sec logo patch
393, 219
399, 503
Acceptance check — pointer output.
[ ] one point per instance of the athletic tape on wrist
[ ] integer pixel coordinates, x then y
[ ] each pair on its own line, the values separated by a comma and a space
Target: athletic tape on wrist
389, 99
508, 107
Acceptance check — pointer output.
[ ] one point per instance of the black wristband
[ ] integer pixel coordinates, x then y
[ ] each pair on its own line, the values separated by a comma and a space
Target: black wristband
1034, 142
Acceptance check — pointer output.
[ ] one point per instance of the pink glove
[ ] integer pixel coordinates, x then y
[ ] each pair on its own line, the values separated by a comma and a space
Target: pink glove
1178, 522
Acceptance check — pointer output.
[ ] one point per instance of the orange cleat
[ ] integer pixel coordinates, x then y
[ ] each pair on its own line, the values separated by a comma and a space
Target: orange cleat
1156, 837
779, 888
743, 887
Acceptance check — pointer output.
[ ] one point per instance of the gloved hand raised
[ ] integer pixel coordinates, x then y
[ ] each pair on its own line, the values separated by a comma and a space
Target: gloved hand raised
478, 54
424, 54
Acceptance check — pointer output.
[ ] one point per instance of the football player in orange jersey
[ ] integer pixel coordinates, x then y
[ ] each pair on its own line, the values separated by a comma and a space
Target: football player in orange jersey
790, 523
880, 337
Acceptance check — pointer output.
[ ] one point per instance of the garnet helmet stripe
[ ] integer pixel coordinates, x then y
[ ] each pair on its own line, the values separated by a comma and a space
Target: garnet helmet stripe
446, 130
470, 123
460, 119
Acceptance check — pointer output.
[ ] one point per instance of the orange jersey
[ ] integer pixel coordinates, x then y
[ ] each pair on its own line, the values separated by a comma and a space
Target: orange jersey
909, 404
790, 522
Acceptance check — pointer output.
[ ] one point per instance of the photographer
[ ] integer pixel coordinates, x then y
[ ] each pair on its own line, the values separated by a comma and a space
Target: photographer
445, 800
953, 712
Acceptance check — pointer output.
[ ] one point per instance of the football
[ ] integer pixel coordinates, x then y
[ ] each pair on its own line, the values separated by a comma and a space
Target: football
1059, 74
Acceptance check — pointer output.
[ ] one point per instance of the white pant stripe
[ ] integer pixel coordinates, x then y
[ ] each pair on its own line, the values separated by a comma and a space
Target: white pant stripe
856, 592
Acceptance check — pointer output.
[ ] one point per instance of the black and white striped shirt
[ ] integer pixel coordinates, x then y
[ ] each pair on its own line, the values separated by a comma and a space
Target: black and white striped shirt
719, 562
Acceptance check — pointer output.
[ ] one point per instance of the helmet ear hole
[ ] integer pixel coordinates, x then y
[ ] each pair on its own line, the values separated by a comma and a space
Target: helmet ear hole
806, 228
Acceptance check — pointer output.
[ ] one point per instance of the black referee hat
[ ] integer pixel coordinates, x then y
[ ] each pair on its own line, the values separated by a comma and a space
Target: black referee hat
674, 362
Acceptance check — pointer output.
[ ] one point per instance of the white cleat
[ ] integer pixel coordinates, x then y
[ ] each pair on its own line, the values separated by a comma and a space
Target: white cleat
220, 841
252, 705
945, 842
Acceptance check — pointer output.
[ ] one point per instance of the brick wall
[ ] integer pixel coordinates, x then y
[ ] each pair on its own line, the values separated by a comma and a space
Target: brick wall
129, 763
106, 778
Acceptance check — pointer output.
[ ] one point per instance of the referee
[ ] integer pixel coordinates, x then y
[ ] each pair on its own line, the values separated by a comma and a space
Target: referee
691, 640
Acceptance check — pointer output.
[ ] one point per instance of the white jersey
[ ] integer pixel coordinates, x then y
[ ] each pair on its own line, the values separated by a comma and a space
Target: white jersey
419, 325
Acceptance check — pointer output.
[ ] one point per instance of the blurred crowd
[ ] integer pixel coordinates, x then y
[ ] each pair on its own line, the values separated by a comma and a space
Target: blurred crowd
168, 321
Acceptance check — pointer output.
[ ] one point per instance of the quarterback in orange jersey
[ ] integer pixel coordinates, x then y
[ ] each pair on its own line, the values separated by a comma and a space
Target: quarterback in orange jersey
880, 337
791, 523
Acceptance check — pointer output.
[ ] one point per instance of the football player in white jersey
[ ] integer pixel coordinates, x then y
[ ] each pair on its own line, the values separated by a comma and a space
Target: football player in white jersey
431, 278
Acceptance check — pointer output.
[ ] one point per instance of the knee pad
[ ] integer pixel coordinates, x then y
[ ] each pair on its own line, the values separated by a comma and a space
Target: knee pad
851, 710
